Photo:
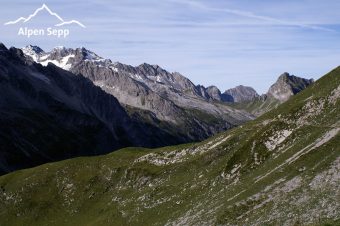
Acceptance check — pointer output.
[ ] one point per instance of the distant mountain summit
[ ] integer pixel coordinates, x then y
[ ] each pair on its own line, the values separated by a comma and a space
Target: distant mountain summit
288, 85
240, 94
213, 93
285, 87
32, 50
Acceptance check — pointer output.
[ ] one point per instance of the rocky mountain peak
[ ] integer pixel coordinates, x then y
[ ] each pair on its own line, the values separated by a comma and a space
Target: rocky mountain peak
59, 52
33, 49
240, 94
88, 55
288, 85
214, 93
151, 70
284, 76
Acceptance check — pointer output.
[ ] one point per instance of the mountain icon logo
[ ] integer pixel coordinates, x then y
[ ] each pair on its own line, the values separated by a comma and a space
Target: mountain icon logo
45, 7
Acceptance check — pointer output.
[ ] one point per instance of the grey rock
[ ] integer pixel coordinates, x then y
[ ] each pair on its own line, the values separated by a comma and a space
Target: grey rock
240, 94
214, 93
202, 91
287, 86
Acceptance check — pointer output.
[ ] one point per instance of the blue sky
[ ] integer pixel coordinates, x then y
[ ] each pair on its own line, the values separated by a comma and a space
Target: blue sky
212, 42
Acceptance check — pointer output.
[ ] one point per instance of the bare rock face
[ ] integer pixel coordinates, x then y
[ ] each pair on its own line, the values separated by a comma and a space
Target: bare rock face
287, 86
214, 93
202, 91
240, 94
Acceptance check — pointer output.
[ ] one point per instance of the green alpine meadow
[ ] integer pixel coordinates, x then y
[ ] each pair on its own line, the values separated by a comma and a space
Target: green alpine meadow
283, 168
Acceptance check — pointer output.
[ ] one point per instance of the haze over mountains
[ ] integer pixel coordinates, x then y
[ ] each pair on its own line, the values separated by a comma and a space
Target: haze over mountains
104, 106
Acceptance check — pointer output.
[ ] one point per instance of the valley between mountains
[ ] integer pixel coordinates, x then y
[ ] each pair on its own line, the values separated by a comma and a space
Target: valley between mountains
232, 158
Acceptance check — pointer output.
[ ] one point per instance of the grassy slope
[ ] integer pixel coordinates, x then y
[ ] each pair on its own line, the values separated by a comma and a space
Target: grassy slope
227, 179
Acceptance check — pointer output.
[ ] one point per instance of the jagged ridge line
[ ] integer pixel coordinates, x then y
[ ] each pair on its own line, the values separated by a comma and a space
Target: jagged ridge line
44, 6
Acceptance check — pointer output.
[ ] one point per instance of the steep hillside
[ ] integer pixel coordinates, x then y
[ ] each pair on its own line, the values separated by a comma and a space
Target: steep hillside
280, 169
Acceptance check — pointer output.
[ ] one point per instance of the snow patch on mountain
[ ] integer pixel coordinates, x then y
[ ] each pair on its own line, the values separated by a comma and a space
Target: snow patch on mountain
63, 63
32, 51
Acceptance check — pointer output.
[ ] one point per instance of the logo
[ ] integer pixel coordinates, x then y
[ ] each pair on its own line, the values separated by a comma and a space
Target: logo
49, 31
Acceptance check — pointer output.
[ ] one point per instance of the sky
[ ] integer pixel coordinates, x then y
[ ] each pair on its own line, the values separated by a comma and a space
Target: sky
212, 42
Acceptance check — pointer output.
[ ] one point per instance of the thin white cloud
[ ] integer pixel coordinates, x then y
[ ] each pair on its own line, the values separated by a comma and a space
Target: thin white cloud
251, 15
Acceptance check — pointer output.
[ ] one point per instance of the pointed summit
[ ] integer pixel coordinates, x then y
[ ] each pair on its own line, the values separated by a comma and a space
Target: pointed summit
288, 85
33, 51
240, 94
214, 93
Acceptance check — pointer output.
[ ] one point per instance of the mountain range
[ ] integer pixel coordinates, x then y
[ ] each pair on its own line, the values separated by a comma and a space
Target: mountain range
71, 102
283, 168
